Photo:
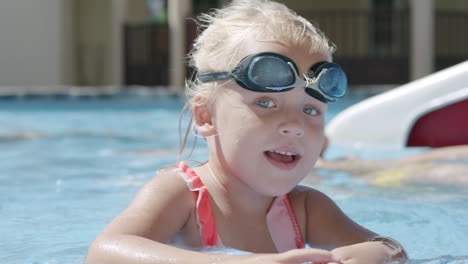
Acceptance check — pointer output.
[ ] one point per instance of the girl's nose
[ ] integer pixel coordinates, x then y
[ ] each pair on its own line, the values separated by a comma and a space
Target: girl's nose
291, 129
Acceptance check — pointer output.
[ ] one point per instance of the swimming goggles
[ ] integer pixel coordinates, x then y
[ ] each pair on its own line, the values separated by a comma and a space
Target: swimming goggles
268, 72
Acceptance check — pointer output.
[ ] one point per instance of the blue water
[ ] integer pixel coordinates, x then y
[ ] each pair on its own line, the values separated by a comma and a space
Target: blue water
68, 166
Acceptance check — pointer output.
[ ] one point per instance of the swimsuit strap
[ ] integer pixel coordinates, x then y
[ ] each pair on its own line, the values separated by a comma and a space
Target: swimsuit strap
283, 226
281, 221
205, 219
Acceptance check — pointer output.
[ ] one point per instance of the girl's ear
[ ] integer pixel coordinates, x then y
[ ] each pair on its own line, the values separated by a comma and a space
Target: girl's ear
202, 116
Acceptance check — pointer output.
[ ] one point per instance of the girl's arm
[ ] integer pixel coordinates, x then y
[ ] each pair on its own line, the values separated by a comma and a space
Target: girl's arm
125, 249
328, 227
160, 209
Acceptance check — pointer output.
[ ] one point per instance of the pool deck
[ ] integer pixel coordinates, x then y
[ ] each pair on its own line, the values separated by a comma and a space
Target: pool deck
15, 92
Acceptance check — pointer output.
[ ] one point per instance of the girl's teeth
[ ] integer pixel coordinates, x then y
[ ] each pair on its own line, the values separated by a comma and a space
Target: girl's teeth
284, 153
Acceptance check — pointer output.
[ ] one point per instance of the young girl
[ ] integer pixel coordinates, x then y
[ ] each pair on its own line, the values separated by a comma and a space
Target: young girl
264, 80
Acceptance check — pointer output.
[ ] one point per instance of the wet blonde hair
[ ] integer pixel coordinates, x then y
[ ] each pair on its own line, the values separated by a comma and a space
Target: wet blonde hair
223, 32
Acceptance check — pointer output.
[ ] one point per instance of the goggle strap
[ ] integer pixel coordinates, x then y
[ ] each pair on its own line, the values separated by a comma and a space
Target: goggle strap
213, 76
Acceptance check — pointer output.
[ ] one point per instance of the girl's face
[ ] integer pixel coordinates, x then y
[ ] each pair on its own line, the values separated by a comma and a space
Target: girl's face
269, 141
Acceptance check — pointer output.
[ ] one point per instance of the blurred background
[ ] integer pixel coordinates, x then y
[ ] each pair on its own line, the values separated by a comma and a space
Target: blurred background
142, 42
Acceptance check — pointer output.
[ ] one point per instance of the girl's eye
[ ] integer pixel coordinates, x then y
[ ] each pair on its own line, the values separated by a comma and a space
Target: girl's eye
265, 103
310, 111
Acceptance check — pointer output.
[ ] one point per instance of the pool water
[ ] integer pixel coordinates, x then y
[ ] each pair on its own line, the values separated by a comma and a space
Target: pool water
69, 165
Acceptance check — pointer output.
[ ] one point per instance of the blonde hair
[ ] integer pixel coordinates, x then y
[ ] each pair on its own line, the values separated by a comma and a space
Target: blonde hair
223, 31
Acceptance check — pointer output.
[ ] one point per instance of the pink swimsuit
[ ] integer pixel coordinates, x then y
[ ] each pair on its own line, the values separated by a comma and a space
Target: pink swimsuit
281, 221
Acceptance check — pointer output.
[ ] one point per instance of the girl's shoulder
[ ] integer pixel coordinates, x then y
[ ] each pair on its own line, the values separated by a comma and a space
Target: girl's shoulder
304, 194
308, 203
164, 201
166, 187
171, 182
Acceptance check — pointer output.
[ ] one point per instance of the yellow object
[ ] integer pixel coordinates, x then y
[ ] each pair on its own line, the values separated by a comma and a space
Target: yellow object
395, 177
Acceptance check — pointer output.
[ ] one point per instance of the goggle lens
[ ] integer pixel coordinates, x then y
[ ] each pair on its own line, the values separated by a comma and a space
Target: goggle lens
333, 82
269, 71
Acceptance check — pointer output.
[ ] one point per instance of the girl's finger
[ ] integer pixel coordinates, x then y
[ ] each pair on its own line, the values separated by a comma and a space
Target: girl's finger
308, 255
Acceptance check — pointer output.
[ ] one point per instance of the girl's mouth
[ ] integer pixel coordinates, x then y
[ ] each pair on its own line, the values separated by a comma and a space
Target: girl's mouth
282, 159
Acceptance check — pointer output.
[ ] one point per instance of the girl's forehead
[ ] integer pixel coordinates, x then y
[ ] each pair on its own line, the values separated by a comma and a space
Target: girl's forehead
301, 55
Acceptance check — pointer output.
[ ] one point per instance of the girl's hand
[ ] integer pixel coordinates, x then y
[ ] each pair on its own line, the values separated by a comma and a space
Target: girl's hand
307, 255
364, 253
295, 256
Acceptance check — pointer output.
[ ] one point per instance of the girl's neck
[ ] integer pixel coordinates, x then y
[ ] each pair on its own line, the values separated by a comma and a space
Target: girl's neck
230, 195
